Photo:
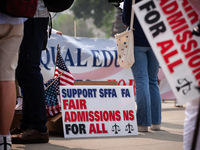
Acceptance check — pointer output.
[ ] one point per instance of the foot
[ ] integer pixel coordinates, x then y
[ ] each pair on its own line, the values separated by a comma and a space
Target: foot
176, 104
30, 136
5, 143
142, 128
156, 127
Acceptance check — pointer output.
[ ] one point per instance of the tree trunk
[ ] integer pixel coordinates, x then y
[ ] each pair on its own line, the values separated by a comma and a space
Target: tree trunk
118, 25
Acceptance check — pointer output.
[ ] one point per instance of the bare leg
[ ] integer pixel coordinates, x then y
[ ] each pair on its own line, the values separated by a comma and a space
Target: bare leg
7, 105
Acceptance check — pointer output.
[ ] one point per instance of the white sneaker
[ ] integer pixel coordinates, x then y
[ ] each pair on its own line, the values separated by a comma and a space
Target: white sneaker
5, 143
176, 104
142, 128
155, 127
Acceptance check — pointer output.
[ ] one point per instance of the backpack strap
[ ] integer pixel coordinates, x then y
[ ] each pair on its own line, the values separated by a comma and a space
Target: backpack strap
132, 14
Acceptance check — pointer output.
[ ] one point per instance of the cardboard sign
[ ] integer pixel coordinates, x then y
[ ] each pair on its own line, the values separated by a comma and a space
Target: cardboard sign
97, 111
168, 25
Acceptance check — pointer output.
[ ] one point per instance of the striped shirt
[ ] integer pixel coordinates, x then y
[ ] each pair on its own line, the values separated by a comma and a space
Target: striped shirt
41, 11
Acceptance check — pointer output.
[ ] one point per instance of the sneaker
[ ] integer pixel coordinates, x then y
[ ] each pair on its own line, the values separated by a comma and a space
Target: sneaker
5, 143
16, 130
176, 104
155, 127
30, 136
142, 128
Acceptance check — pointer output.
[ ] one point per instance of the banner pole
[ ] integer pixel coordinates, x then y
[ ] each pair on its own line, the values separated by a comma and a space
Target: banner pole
56, 59
75, 29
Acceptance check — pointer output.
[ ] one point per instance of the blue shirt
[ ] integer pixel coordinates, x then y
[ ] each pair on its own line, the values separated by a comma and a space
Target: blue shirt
7, 19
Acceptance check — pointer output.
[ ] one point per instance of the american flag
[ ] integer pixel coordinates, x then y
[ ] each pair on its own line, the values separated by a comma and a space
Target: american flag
52, 97
66, 78
52, 92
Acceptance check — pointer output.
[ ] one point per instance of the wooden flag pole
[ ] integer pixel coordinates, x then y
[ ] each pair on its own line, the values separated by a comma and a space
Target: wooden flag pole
54, 81
56, 59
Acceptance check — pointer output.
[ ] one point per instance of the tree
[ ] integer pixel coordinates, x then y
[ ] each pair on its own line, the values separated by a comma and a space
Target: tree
102, 13
95, 18
118, 26
96, 9
65, 23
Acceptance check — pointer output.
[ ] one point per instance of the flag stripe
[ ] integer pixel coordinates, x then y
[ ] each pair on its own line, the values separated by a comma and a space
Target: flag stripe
65, 79
67, 75
65, 83
59, 71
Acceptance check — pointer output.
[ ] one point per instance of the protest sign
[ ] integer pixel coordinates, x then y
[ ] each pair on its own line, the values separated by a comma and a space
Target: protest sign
98, 111
168, 25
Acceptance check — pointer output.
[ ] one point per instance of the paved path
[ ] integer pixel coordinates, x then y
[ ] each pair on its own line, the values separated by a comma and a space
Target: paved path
170, 138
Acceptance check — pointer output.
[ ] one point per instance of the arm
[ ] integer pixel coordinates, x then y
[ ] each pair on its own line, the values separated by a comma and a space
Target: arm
126, 14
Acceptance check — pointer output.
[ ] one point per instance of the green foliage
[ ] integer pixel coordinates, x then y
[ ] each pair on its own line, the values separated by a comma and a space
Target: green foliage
94, 18
65, 24
100, 11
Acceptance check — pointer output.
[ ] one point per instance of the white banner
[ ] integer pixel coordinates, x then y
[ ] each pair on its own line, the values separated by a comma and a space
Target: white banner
86, 58
97, 111
92, 59
168, 25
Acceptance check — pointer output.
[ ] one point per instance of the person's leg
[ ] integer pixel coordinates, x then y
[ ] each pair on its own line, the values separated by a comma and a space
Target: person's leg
29, 76
10, 39
140, 74
191, 113
7, 103
153, 67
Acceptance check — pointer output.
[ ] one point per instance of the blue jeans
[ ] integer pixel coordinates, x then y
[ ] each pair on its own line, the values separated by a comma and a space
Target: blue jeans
148, 100
29, 76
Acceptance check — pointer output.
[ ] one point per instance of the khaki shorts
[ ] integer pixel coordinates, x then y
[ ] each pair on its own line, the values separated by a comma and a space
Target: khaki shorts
10, 40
